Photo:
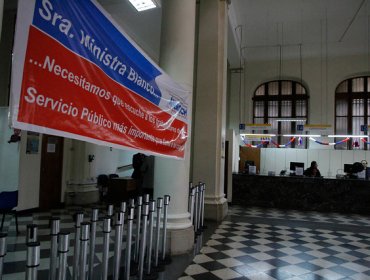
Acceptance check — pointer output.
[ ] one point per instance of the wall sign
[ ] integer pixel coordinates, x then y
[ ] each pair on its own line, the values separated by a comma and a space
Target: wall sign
76, 74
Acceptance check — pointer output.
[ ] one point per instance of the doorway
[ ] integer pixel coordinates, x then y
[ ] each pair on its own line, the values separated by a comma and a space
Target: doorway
51, 172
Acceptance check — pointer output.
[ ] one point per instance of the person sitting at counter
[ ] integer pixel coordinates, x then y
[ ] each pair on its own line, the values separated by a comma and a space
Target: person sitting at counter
312, 171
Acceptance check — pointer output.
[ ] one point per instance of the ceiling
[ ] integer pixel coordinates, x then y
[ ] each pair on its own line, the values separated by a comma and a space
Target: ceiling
320, 27
311, 28
317, 28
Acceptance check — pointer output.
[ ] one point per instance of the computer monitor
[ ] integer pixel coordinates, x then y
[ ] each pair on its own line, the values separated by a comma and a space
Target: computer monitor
293, 165
348, 168
248, 163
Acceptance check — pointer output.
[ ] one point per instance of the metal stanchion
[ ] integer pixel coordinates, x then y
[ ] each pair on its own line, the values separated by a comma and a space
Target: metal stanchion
33, 260
117, 245
191, 201
110, 213
55, 227
145, 214
76, 254
130, 218
199, 202
202, 216
2, 252
31, 233
150, 274
138, 226
110, 210
131, 203
106, 232
63, 249
146, 198
123, 209
165, 258
84, 238
94, 221
196, 206
157, 235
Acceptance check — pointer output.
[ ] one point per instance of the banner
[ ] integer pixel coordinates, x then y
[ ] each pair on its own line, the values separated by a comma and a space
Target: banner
77, 75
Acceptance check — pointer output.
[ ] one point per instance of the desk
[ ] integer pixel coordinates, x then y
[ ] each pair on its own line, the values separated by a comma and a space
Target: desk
81, 193
302, 193
121, 189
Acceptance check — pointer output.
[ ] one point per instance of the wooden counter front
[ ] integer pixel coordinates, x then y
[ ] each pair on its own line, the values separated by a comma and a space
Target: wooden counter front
121, 189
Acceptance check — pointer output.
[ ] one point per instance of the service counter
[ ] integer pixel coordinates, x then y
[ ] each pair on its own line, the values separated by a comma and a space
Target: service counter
302, 193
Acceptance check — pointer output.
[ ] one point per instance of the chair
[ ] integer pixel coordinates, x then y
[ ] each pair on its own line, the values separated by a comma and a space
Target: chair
8, 201
103, 186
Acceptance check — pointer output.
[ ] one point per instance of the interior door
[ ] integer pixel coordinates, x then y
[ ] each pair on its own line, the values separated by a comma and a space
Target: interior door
51, 172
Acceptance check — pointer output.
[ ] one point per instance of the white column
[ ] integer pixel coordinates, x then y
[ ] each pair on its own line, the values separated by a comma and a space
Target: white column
210, 106
1, 15
172, 176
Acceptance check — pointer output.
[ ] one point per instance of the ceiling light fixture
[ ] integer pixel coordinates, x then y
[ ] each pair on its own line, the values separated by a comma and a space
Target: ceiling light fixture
302, 135
258, 134
348, 136
290, 120
142, 5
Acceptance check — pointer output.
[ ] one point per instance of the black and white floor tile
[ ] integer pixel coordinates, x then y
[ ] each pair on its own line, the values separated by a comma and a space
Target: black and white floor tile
251, 243
272, 244
15, 259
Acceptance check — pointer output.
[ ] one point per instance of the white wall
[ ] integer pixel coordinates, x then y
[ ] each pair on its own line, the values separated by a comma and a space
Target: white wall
9, 155
320, 88
330, 161
29, 176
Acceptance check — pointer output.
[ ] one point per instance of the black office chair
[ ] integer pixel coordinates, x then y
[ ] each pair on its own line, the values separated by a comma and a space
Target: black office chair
8, 201
103, 180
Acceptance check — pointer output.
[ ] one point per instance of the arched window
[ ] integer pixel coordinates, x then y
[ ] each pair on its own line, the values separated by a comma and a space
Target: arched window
276, 100
352, 109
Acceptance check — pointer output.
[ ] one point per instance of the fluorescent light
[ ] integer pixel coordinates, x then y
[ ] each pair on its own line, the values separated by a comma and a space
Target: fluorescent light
290, 119
348, 136
301, 135
142, 5
257, 135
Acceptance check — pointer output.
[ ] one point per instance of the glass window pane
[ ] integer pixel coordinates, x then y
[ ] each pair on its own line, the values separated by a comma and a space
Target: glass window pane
259, 108
342, 107
258, 120
286, 128
260, 91
343, 87
300, 89
356, 124
358, 107
274, 125
341, 125
286, 88
273, 109
286, 108
273, 88
358, 85
356, 130
301, 108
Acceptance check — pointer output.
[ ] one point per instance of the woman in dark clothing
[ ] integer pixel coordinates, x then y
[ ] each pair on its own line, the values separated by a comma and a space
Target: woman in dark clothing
312, 171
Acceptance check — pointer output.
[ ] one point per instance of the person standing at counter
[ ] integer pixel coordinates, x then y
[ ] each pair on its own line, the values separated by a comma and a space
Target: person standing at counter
312, 171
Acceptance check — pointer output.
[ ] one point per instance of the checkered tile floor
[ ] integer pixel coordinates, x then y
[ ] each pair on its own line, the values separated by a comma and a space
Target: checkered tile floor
271, 244
251, 243
15, 260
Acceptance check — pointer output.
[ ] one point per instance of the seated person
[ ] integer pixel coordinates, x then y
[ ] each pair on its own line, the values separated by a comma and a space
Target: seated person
312, 171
